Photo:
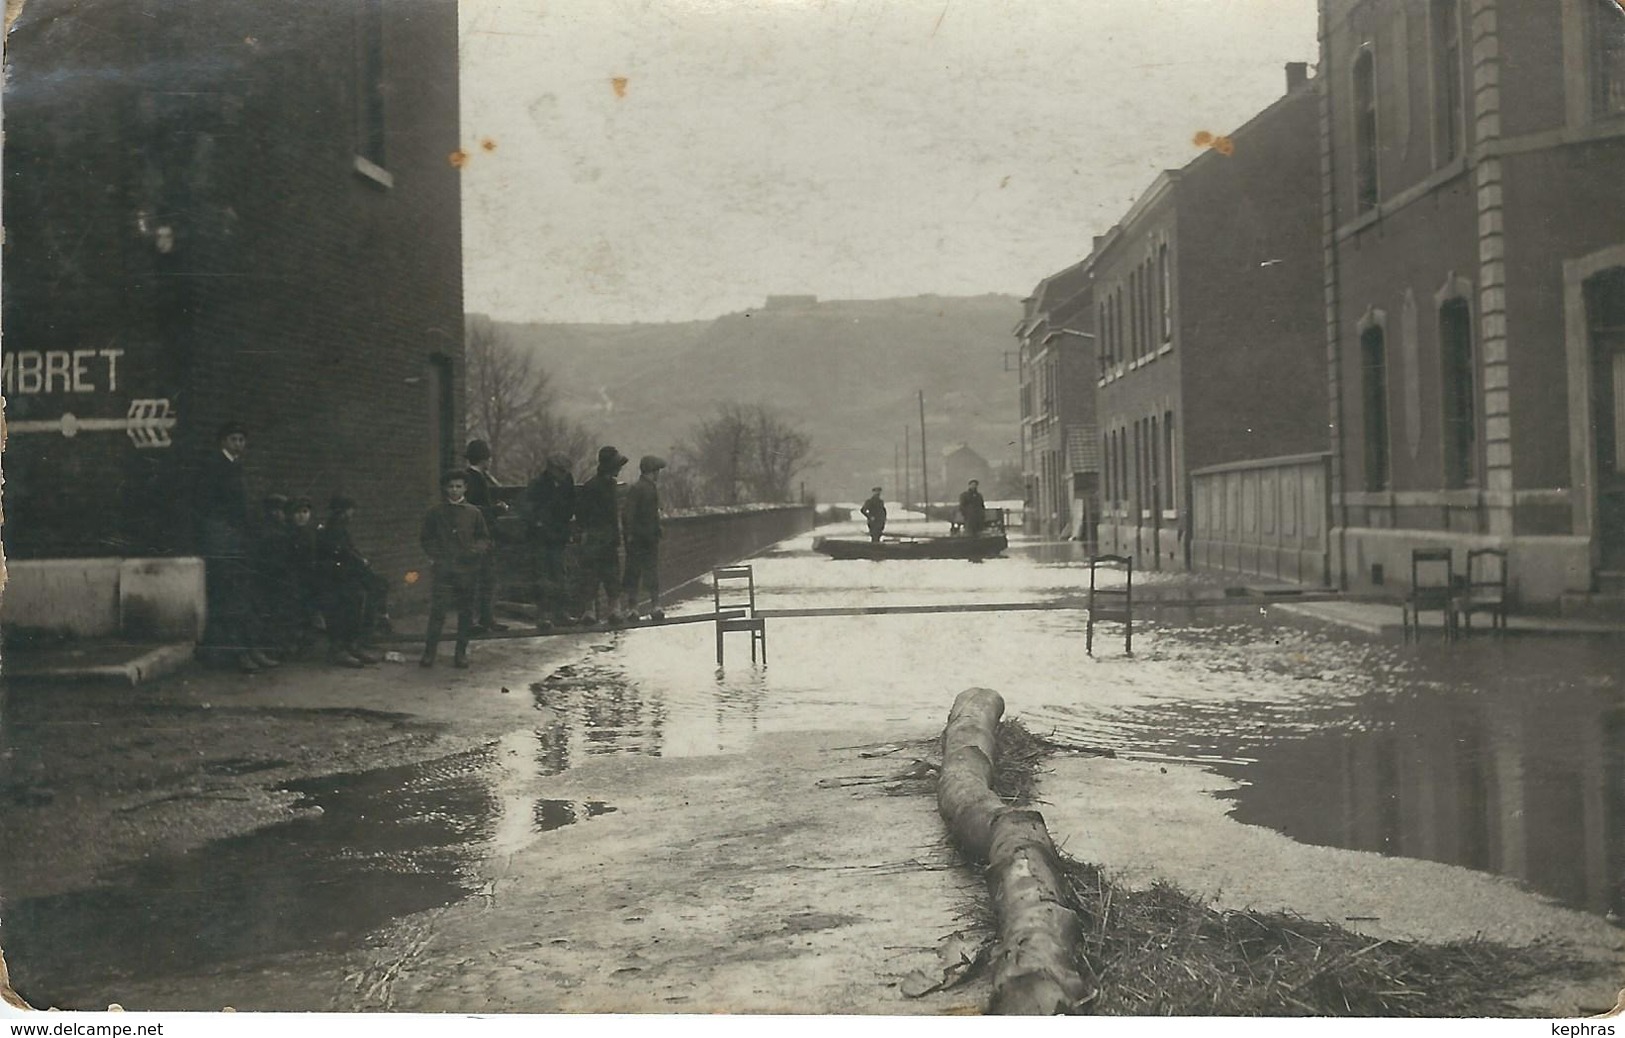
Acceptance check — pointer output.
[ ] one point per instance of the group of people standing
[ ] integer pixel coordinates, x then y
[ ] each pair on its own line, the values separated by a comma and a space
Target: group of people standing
273, 579
592, 518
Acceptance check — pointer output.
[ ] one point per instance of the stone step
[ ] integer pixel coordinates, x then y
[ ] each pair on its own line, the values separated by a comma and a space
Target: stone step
1595, 605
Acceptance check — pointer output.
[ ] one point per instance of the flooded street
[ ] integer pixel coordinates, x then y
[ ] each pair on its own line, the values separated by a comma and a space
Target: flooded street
1506, 757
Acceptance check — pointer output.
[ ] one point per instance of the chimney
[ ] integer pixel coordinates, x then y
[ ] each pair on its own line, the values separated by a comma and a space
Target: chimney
1297, 74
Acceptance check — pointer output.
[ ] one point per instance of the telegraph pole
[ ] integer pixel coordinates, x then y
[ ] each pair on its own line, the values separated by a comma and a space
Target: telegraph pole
925, 465
908, 463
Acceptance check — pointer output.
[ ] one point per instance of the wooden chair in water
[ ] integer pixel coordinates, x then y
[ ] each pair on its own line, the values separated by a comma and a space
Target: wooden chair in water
1111, 604
1432, 590
1485, 590
733, 596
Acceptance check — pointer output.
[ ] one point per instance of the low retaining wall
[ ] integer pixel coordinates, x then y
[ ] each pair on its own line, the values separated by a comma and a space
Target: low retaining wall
1268, 517
690, 545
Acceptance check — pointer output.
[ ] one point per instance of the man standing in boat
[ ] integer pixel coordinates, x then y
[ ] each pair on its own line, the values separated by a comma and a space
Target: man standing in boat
874, 510
972, 510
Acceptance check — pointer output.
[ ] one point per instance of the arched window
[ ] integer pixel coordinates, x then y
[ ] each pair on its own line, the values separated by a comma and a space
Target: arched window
1374, 390
1365, 132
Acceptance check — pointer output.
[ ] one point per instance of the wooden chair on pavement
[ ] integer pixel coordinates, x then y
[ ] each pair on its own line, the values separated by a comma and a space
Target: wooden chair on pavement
733, 596
1485, 590
1432, 590
1111, 604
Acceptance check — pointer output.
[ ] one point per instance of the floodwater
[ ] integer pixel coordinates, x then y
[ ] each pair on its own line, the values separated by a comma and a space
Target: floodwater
1506, 756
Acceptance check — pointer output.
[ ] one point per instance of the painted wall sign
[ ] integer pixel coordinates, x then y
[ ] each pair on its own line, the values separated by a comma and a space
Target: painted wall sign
37, 372
147, 422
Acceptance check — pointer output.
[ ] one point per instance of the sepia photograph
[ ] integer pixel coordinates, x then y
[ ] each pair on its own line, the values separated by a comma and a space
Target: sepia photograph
877, 508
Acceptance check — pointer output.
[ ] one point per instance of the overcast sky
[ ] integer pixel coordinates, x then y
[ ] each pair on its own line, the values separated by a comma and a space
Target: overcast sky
844, 148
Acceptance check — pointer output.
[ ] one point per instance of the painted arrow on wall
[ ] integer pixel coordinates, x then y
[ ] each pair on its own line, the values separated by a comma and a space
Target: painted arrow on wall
147, 422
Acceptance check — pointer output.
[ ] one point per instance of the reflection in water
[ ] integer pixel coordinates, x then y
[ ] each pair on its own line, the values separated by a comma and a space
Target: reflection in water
1518, 770
369, 846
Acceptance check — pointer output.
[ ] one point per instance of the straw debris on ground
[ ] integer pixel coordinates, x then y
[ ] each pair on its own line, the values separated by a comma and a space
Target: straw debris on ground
1161, 951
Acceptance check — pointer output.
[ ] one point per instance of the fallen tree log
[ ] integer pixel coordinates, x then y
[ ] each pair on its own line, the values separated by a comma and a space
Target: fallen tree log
1036, 967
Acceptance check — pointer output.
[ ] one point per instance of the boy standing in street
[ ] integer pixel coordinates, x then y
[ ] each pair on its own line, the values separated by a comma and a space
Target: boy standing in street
456, 540
643, 538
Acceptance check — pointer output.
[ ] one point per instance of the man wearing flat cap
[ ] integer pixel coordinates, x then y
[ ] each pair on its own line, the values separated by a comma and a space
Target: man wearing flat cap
874, 510
598, 510
551, 500
643, 538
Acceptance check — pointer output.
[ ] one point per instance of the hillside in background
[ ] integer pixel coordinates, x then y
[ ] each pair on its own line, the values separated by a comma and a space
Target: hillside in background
845, 371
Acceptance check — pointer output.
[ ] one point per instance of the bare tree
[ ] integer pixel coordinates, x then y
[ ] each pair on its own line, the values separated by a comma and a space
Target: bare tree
512, 406
741, 453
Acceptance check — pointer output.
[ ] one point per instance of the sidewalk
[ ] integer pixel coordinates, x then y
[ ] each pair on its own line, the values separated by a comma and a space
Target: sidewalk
1384, 619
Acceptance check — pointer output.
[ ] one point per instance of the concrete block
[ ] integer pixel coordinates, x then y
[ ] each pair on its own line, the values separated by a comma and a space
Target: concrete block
73, 596
161, 599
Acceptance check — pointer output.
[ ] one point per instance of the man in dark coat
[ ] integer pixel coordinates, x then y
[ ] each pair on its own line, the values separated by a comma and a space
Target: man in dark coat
220, 506
874, 510
455, 538
972, 510
643, 538
551, 501
479, 491
598, 510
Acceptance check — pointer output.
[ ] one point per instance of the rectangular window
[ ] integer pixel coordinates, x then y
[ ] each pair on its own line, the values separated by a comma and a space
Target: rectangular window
1365, 133
1165, 295
1447, 88
1458, 380
1134, 314
1139, 469
1154, 445
1117, 322
1374, 386
1168, 459
1122, 465
1607, 58
370, 81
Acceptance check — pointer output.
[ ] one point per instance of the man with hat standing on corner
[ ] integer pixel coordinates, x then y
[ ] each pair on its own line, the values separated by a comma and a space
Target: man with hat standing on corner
480, 483
598, 509
643, 538
220, 504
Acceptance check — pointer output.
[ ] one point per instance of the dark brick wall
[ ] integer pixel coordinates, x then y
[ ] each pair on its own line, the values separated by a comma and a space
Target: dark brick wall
1249, 274
299, 296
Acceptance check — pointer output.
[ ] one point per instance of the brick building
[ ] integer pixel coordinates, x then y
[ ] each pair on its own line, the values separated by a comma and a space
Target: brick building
1205, 303
1057, 361
1475, 288
222, 209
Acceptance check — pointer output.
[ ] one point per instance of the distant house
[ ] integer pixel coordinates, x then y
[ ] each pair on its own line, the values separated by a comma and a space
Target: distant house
217, 211
1057, 364
960, 465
